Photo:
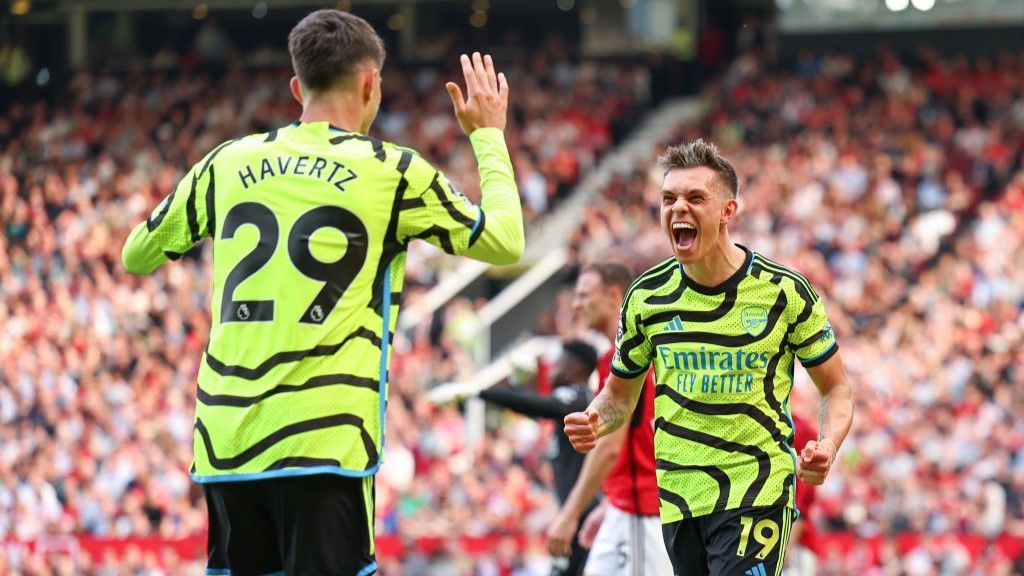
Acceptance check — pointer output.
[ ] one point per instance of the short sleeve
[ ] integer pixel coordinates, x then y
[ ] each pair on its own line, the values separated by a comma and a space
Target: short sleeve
434, 210
813, 340
633, 349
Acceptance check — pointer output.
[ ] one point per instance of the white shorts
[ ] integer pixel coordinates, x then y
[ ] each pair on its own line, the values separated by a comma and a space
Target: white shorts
628, 545
800, 562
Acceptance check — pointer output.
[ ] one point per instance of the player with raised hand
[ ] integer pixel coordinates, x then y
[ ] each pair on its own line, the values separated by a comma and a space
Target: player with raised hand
723, 327
310, 224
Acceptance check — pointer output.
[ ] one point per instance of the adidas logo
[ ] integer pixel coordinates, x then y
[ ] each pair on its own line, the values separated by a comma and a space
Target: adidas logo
676, 324
757, 570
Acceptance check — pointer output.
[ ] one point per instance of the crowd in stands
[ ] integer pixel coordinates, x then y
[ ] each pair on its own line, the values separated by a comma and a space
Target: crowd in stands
895, 184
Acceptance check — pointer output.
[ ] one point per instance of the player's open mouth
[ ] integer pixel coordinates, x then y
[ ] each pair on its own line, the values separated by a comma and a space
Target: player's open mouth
684, 234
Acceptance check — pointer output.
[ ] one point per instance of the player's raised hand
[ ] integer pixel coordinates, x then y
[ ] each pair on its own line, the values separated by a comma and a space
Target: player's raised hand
815, 461
486, 102
581, 429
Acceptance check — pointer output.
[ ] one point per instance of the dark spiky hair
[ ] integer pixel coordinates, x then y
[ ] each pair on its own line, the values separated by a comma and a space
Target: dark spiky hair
700, 153
328, 44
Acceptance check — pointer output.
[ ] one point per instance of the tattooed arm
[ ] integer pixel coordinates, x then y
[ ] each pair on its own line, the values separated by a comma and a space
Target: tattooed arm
835, 415
606, 413
616, 402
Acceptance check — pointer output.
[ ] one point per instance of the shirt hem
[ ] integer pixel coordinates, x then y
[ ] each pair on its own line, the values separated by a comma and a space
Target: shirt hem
710, 511
633, 513
286, 473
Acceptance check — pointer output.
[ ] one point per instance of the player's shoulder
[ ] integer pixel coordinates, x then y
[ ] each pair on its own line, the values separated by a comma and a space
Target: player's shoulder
764, 268
414, 167
396, 148
654, 277
224, 151
236, 150
407, 159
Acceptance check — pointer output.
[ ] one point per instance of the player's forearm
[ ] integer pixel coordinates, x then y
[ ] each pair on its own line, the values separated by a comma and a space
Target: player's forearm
141, 255
501, 239
596, 468
835, 413
615, 403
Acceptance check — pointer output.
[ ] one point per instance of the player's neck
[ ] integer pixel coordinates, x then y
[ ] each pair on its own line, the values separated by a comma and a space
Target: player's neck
338, 110
718, 265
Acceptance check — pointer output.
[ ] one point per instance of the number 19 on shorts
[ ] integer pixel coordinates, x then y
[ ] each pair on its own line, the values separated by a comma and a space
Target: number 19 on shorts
765, 532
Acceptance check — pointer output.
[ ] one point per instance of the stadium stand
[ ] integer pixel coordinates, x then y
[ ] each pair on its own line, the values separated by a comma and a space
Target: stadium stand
894, 183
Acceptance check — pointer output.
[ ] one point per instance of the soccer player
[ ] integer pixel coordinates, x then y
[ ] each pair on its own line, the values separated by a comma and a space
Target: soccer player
310, 224
628, 540
569, 394
723, 327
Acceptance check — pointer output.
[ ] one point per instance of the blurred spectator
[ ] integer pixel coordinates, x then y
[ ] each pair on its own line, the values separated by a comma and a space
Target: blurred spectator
14, 63
569, 377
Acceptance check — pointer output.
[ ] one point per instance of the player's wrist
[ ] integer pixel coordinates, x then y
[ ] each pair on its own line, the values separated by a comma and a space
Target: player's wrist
568, 517
830, 446
485, 131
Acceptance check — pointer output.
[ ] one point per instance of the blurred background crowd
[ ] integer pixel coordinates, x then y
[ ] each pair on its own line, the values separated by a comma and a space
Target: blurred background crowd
895, 182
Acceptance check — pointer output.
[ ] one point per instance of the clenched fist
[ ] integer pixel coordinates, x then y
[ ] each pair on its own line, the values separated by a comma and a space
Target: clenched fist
581, 429
815, 461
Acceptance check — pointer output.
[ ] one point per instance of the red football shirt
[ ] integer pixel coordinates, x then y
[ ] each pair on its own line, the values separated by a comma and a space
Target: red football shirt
804, 433
632, 485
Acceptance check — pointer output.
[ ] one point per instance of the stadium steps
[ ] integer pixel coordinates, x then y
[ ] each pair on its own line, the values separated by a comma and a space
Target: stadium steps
550, 234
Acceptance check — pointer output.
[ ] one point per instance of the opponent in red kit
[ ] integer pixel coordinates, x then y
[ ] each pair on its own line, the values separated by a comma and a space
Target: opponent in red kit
628, 539
802, 559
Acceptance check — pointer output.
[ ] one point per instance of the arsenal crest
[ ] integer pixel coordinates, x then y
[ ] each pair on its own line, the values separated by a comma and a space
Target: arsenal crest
754, 319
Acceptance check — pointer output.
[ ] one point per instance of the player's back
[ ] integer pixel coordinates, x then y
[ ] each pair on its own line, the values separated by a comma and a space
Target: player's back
310, 226
307, 267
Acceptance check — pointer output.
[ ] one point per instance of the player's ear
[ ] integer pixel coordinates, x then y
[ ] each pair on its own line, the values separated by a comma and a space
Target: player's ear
368, 82
296, 89
729, 211
615, 292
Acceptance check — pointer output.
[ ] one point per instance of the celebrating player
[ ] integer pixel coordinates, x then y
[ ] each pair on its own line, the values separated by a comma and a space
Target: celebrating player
723, 327
628, 536
310, 224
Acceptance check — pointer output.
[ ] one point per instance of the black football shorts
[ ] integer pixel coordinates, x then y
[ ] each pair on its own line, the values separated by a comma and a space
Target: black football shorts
296, 526
742, 542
